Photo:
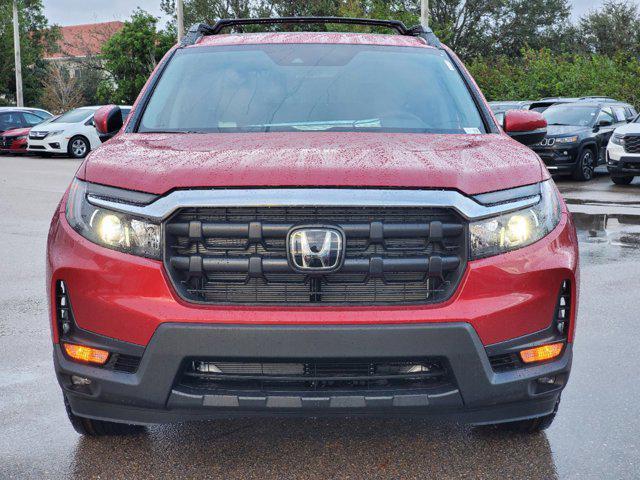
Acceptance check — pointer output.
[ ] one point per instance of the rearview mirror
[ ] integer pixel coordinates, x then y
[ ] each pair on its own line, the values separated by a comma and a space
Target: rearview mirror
525, 126
108, 121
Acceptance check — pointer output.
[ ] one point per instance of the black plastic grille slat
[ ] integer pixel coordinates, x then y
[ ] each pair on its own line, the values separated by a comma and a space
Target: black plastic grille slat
239, 255
315, 375
505, 362
632, 143
123, 363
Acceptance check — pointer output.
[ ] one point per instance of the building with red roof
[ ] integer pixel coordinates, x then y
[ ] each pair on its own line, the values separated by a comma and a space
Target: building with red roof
86, 40
81, 45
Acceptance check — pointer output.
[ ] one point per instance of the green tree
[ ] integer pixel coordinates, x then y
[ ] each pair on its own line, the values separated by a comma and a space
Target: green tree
35, 38
479, 27
615, 28
541, 73
131, 55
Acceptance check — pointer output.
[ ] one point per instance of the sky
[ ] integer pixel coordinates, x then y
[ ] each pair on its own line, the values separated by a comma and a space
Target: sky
73, 12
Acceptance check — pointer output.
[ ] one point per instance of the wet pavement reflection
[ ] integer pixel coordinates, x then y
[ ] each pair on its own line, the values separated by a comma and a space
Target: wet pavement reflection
617, 236
317, 449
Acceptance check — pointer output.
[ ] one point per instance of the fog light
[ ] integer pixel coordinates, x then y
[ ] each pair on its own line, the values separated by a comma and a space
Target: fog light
547, 380
206, 367
418, 369
76, 380
81, 353
542, 353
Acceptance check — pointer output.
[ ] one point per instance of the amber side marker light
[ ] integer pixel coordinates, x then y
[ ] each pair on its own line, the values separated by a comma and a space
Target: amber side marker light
80, 353
542, 353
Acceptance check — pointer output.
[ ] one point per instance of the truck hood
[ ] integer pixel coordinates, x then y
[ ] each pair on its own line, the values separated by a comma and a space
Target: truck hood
565, 130
54, 126
628, 128
157, 163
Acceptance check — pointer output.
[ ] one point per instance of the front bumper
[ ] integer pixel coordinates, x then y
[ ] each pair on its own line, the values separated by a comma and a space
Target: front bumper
558, 159
151, 395
57, 144
621, 162
13, 146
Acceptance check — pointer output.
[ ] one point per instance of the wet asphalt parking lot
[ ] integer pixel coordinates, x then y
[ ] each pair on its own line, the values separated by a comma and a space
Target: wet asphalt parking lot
596, 433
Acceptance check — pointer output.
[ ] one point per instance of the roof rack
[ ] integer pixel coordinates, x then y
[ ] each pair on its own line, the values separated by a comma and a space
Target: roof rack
598, 97
201, 29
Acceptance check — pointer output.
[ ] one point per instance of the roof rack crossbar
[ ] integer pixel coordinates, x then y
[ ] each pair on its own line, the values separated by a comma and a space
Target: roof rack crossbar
396, 25
200, 29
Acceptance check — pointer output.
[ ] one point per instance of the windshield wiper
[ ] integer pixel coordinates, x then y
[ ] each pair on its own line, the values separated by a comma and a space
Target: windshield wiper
316, 126
171, 131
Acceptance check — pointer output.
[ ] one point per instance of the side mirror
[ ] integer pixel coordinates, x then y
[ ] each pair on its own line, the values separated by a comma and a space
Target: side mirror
603, 122
525, 126
108, 121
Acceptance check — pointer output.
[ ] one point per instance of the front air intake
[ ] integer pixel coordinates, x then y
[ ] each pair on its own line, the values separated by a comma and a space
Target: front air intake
563, 308
64, 315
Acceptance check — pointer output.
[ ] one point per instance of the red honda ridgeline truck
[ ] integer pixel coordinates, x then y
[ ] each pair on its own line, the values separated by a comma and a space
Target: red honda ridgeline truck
312, 224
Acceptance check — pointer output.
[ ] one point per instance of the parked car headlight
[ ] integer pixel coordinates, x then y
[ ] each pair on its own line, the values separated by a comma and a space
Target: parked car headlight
22, 137
116, 230
571, 139
54, 133
510, 231
617, 139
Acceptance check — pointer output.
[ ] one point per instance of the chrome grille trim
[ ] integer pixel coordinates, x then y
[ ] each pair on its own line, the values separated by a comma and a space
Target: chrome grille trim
165, 206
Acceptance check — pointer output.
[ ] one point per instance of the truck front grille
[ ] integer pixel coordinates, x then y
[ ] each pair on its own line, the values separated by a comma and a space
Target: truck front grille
312, 375
239, 255
632, 143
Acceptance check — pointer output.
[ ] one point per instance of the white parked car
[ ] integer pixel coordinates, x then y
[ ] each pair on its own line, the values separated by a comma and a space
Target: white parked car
623, 153
72, 133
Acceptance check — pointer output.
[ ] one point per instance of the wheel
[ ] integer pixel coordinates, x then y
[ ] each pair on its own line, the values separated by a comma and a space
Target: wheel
99, 428
622, 180
585, 166
532, 425
78, 147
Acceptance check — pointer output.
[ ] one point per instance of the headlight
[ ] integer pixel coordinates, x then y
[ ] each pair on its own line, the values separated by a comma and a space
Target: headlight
22, 137
518, 229
617, 139
53, 134
572, 139
115, 230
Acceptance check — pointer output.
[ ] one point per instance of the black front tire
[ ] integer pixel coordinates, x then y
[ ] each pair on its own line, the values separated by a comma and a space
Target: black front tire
622, 180
530, 426
585, 166
99, 428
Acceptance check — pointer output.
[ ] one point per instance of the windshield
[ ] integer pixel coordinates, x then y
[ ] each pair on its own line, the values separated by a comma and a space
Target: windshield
74, 116
311, 87
583, 116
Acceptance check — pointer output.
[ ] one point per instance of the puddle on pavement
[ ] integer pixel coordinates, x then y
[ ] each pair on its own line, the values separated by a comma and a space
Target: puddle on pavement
608, 237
